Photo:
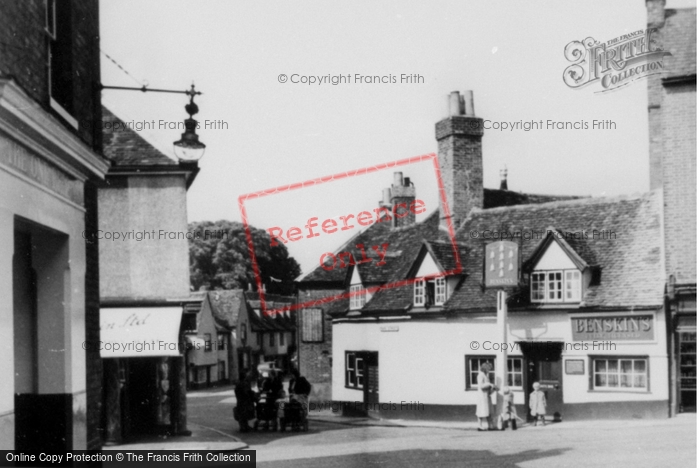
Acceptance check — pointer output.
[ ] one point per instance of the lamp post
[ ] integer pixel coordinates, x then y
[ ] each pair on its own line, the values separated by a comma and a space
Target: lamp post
188, 148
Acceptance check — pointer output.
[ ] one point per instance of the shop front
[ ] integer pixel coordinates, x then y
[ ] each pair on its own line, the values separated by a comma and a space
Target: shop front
144, 372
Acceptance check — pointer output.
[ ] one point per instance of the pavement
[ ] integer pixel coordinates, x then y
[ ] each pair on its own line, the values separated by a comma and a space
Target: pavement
202, 438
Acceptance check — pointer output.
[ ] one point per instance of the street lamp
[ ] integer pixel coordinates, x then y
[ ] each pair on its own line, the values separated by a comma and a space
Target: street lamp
188, 148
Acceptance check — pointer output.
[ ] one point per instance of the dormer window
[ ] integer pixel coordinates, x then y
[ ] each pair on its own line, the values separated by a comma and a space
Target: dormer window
357, 301
555, 286
427, 292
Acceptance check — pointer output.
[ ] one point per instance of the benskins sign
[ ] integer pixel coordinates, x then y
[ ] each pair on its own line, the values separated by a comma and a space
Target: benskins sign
637, 327
615, 63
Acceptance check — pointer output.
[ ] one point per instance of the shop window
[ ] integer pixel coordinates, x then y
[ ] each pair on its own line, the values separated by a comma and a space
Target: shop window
354, 377
259, 339
201, 374
272, 339
620, 374
430, 292
555, 286
207, 342
222, 370
312, 325
281, 338
357, 301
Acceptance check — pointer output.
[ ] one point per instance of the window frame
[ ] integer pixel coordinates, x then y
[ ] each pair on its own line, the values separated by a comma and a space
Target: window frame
492, 375
207, 343
357, 301
271, 341
419, 293
54, 40
354, 374
543, 278
513, 373
468, 370
593, 373
440, 283
281, 340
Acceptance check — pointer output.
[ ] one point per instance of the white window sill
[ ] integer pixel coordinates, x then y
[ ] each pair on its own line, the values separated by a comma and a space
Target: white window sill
63, 113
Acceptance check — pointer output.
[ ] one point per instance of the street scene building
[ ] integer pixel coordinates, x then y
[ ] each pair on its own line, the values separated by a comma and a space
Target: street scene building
143, 199
50, 167
588, 327
151, 301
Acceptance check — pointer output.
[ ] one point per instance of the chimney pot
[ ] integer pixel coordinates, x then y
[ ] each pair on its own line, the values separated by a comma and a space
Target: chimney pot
386, 197
504, 178
455, 104
398, 179
468, 103
406, 181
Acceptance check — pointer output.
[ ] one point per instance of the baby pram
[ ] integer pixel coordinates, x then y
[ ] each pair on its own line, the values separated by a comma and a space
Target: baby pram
294, 416
266, 412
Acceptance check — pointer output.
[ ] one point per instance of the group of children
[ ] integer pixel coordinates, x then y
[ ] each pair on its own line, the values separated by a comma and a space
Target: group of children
537, 403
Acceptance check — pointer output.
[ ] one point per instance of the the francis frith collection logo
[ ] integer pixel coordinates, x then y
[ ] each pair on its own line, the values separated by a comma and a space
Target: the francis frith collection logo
615, 63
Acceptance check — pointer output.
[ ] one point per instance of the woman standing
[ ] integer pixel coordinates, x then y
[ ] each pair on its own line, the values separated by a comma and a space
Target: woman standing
483, 403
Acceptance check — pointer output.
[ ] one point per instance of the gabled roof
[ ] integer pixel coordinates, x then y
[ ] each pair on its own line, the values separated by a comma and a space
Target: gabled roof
570, 242
680, 39
630, 263
226, 305
125, 147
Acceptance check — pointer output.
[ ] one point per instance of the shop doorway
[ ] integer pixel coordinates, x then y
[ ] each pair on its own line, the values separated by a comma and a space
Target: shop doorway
544, 365
371, 383
41, 308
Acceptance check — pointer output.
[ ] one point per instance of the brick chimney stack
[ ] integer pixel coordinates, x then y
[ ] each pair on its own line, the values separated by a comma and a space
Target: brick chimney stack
397, 200
459, 150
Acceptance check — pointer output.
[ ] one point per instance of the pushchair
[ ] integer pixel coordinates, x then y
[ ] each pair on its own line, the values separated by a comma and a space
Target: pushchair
266, 412
294, 416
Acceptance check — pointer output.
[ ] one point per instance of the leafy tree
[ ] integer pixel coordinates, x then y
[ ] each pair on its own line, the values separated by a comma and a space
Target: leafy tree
220, 258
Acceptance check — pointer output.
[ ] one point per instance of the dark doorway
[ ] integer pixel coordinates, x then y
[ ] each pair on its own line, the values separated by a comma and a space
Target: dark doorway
544, 365
371, 387
140, 393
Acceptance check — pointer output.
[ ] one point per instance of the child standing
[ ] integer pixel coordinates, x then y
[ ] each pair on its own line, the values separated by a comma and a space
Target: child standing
538, 403
508, 415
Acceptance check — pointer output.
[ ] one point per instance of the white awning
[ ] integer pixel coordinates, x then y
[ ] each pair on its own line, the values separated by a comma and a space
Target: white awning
139, 332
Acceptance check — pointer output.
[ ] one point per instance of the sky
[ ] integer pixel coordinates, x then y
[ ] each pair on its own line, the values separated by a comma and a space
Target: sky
264, 133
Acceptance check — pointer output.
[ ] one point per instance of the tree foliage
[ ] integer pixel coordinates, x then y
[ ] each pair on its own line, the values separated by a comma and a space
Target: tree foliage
220, 258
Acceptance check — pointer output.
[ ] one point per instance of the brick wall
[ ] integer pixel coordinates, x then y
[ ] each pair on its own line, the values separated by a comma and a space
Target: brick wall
313, 363
678, 127
23, 56
461, 166
672, 158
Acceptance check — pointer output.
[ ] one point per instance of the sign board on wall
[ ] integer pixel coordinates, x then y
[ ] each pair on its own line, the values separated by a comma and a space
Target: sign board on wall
139, 332
624, 327
501, 264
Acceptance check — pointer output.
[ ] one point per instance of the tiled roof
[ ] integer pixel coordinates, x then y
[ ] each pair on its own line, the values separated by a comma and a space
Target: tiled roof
494, 198
280, 321
680, 39
405, 242
125, 147
226, 305
630, 265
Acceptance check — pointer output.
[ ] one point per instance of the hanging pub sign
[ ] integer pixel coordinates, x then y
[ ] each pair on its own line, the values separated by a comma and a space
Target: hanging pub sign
501, 264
